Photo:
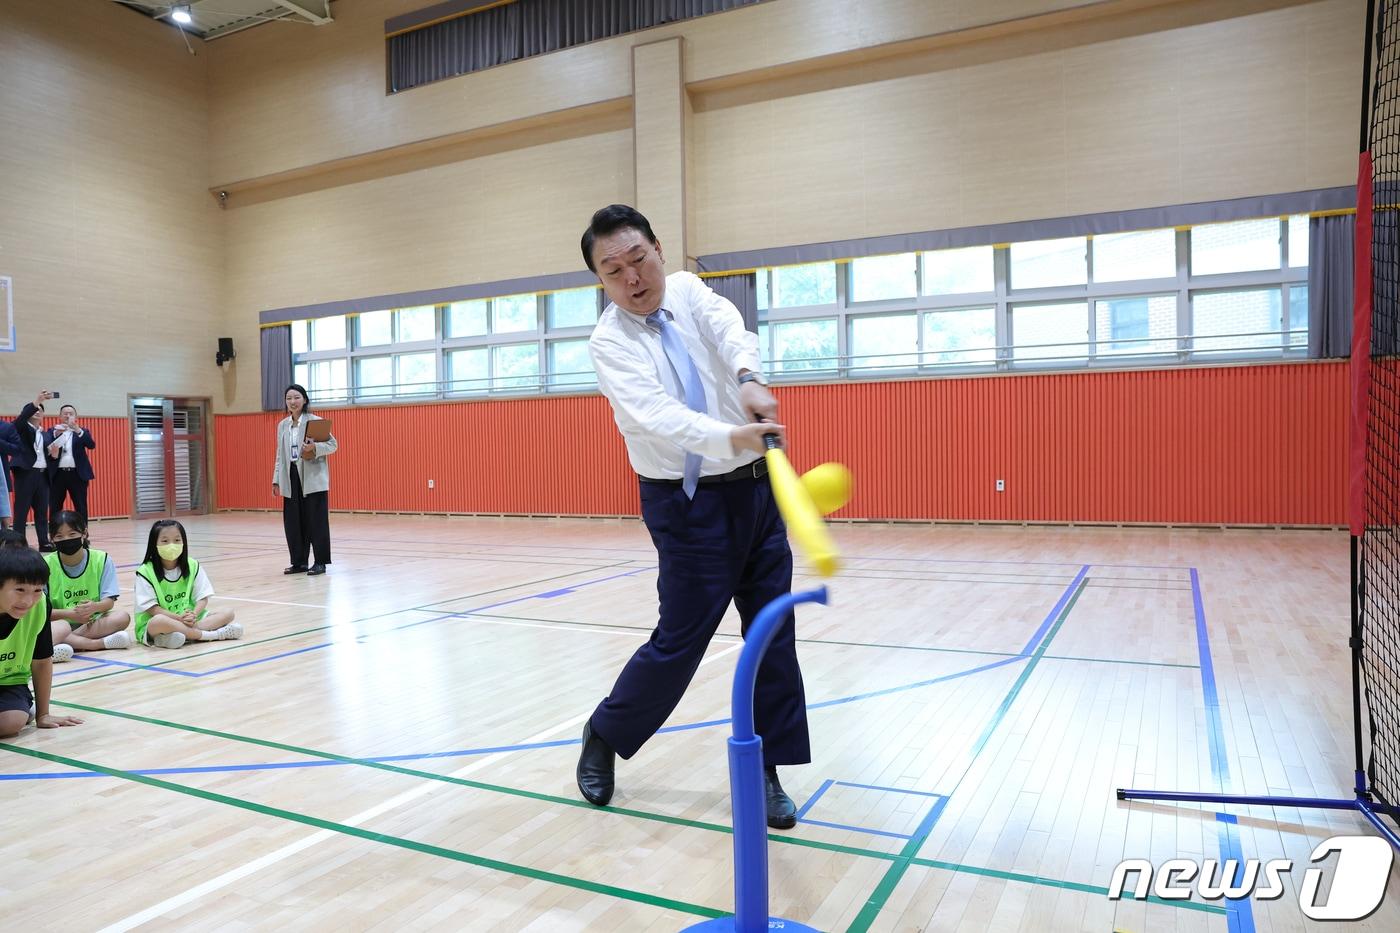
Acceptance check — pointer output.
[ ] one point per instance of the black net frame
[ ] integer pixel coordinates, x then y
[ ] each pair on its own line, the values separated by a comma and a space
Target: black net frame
1378, 581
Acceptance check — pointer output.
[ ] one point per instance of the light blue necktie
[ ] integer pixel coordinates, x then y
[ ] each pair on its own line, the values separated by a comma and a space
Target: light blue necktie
690, 384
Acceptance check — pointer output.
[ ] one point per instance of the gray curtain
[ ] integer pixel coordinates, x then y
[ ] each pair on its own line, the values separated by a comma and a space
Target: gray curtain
525, 28
1331, 274
742, 289
276, 366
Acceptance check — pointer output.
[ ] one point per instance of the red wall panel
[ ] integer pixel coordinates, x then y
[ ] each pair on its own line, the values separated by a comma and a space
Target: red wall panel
554, 456
1229, 445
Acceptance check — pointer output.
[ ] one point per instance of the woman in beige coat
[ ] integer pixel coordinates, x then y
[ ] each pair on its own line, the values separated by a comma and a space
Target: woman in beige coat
301, 476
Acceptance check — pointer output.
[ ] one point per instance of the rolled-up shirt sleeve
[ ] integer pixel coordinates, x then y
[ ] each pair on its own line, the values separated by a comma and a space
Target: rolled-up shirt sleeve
717, 317
641, 404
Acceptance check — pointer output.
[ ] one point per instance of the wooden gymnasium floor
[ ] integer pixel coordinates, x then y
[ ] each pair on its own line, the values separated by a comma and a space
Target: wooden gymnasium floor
392, 746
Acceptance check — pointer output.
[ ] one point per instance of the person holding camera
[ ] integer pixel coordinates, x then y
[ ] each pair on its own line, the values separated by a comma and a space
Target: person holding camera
70, 470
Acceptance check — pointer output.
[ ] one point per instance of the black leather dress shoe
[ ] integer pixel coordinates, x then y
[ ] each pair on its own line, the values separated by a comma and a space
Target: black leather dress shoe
595, 768
316, 570
781, 812
296, 568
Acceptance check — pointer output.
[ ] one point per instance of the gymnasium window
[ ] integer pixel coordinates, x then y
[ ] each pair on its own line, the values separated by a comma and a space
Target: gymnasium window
884, 341
1050, 332
880, 278
577, 307
1244, 319
1226, 291
1241, 246
1141, 325
803, 286
1223, 291
466, 319
807, 347
1298, 241
515, 366
512, 344
966, 336
469, 371
569, 363
1144, 254
328, 333
1049, 263
958, 271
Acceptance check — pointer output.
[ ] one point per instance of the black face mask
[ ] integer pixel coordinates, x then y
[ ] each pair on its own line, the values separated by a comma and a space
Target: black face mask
69, 546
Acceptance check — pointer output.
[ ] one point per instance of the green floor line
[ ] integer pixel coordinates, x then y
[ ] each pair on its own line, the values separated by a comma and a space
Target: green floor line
881, 895
779, 839
1068, 657
463, 782
537, 874
511, 868
1056, 883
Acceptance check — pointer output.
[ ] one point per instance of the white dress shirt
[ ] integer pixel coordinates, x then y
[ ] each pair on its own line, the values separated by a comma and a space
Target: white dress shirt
39, 460
647, 399
298, 434
65, 452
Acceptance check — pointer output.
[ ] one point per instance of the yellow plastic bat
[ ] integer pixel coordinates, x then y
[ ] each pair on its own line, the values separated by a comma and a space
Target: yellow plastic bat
798, 498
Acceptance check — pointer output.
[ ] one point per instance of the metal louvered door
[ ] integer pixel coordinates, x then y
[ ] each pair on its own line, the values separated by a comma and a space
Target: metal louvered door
169, 456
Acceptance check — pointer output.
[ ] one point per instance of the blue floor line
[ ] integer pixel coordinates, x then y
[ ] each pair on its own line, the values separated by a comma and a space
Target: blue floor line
1241, 918
826, 786
1054, 613
109, 662
360, 638
462, 753
855, 829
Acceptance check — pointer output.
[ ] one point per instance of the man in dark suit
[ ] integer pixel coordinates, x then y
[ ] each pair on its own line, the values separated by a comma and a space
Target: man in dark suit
30, 467
70, 471
9, 446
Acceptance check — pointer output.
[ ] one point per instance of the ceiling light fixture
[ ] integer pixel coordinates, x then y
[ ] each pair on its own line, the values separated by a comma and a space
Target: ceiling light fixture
181, 14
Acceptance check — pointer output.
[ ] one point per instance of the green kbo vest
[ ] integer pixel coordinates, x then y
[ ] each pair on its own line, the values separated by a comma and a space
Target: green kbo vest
172, 595
66, 591
17, 649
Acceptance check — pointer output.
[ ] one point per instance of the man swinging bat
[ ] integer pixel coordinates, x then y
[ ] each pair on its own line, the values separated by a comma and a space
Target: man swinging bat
683, 378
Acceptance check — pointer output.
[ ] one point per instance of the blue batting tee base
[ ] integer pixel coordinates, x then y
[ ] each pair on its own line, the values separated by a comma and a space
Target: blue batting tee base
729, 924
746, 782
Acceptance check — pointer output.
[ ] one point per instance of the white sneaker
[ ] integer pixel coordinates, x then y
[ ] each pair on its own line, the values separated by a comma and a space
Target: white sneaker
229, 632
120, 639
31, 713
169, 639
62, 653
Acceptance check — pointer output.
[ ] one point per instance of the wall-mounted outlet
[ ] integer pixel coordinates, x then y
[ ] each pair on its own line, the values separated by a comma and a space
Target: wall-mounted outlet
431, 484
1001, 485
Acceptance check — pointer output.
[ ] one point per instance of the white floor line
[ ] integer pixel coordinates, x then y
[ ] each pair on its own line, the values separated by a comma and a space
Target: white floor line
272, 858
270, 602
555, 626
249, 599
565, 626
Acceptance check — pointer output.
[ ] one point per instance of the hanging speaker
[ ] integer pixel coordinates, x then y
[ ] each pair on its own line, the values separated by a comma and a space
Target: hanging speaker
225, 351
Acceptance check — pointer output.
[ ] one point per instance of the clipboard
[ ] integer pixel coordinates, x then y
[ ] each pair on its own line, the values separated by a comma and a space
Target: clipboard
319, 430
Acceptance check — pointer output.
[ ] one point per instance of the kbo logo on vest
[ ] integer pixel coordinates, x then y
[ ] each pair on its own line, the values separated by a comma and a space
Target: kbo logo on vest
1358, 884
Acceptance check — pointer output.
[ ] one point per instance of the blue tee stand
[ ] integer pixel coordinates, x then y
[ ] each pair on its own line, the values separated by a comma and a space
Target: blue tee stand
746, 781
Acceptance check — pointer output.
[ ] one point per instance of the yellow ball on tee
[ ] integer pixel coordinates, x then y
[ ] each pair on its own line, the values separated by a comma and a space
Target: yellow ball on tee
829, 485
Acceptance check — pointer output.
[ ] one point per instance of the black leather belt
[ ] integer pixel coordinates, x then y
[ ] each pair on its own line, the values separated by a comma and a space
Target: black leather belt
754, 470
